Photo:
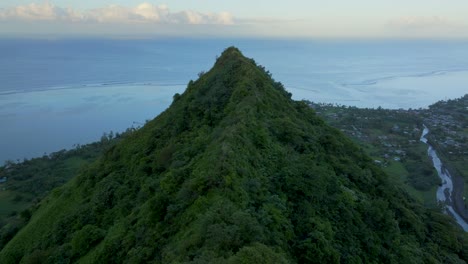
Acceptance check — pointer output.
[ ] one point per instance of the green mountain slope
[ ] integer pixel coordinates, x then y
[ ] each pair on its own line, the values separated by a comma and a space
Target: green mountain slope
29, 181
234, 172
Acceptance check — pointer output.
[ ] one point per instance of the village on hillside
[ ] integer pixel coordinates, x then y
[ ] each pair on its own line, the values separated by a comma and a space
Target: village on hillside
392, 139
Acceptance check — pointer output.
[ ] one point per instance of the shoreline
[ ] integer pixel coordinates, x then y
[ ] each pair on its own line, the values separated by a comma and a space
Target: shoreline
81, 86
45, 121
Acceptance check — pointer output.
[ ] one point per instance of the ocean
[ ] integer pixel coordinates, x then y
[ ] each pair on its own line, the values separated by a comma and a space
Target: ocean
56, 93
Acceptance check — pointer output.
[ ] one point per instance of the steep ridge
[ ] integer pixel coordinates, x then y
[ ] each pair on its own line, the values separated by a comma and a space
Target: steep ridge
234, 171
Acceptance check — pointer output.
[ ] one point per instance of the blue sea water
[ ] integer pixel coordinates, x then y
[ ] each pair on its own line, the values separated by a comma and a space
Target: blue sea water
57, 93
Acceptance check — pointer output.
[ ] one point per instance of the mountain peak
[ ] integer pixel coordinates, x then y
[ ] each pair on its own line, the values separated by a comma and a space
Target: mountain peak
232, 55
234, 171
232, 51
232, 80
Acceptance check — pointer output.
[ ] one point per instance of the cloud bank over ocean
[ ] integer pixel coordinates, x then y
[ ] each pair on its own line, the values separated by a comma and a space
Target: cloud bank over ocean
142, 13
149, 19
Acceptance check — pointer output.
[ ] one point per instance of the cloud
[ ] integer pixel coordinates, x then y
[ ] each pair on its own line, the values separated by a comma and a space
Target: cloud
142, 13
418, 22
426, 26
151, 12
38, 12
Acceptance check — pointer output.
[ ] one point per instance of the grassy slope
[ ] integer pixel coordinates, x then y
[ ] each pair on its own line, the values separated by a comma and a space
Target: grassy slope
31, 180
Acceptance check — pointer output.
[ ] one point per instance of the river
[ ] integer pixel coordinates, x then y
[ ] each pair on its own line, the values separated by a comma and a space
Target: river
445, 191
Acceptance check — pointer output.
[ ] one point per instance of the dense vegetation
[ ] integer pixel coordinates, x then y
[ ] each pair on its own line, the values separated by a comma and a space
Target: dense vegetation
392, 139
235, 172
29, 181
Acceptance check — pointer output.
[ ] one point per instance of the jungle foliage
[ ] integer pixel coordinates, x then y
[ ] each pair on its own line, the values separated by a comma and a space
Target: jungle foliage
234, 171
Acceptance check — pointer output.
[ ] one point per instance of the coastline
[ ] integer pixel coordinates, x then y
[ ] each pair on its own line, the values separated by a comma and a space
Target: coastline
40, 121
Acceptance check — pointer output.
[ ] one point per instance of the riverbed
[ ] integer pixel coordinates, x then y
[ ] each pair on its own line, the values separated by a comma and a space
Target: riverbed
446, 191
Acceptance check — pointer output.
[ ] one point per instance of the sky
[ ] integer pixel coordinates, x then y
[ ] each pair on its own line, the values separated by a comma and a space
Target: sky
240, 18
